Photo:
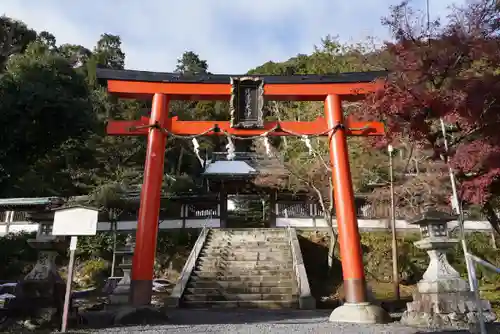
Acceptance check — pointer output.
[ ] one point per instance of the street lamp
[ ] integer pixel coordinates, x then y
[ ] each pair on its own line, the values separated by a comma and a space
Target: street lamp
395, 271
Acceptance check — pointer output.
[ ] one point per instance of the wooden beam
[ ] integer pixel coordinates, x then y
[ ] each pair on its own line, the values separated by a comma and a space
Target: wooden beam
181, 128
220, 91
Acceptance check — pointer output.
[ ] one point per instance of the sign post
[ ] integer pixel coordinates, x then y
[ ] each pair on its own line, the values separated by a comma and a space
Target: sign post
69, 280
73, 221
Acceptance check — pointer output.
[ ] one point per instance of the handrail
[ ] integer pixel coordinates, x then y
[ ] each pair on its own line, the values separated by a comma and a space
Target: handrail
289, 232
484, 263
188, 268
473, 260
306, 300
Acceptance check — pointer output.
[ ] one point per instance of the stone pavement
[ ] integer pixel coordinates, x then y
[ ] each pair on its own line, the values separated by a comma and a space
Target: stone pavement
256, 321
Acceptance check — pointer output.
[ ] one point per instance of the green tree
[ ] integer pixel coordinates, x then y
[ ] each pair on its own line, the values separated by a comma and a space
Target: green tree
181, 159
47, 39
309, 171
14, 38
190, 63
108, 52
45, 106
77, 55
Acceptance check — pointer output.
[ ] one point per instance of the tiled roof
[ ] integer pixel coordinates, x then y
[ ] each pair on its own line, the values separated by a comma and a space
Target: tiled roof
34, 201
244, 163
230, 167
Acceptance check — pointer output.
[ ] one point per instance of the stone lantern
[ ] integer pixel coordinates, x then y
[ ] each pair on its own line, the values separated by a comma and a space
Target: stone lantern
43, 288
121, 293
443, 299
48, 247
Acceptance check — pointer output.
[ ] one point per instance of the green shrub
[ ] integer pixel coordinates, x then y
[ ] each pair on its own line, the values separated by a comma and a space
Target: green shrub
91, 273
413, 262
16, 256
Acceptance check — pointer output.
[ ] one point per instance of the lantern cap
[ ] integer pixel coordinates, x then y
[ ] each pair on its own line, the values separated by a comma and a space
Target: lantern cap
431, 215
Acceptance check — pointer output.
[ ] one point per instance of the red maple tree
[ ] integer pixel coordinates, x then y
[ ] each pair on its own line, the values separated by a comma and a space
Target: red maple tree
449, 72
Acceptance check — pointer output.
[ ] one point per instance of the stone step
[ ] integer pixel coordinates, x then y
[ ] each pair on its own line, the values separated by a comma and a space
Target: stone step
246, 257
234, 271
249, 232
264, 304
249, 229
276, 257
248, 239
277, 238
248, 247
218, 259
252, 263
255, 265
201, 283
234, 275
262, 243
236, 258
213, 262
214, 289
241, 252
246, 268
241, 257
253, 242
264, 258
241, 278
237, 297
246, 250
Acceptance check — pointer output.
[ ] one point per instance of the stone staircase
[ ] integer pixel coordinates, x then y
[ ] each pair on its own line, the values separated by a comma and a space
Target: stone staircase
247, 268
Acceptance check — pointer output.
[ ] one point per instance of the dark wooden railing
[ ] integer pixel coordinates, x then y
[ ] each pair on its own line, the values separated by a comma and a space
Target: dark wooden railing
294, 210
363, 211
201, 210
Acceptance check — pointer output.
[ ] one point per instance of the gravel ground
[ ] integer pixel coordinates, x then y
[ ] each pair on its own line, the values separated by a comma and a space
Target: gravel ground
254, 322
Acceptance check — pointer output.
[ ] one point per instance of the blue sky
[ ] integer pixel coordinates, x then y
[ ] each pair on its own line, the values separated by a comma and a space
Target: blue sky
232, 35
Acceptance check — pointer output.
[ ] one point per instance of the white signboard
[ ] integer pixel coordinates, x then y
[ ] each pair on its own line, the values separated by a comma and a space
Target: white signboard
75, 221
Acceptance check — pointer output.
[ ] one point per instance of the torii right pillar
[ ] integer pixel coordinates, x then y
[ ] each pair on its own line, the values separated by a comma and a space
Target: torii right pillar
356, 308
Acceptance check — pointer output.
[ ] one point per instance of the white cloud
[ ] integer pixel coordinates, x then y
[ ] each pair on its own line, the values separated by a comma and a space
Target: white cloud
232, 35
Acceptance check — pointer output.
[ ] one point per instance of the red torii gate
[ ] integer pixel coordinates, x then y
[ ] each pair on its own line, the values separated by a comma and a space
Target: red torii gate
163, 87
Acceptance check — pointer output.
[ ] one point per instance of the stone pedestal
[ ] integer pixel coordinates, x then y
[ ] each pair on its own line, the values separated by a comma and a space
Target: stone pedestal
42, 290
45, 269
121, 293
443, 299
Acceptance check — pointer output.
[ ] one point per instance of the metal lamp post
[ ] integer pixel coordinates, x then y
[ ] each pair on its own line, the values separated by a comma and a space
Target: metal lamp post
395, 271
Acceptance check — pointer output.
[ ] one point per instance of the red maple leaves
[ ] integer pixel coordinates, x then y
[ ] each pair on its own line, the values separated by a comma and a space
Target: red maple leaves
453, 73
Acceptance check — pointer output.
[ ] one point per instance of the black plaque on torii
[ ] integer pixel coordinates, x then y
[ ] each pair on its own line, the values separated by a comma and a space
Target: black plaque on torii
247, 103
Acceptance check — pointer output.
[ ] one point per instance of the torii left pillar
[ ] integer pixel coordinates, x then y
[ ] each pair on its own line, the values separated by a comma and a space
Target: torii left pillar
147, 223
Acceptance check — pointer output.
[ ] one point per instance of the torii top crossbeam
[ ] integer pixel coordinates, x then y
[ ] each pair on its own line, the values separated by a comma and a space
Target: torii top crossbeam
246, 95
143, 85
